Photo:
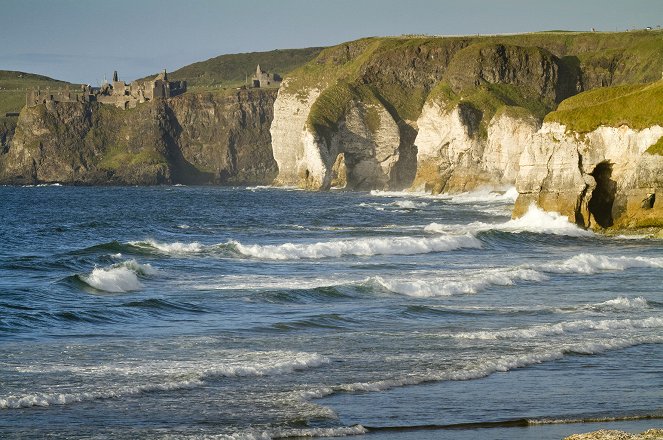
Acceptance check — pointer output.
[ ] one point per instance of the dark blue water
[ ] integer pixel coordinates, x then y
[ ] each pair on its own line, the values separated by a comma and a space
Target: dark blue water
186, 312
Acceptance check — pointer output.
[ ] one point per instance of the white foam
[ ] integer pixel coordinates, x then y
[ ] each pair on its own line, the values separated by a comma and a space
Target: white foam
486, 195
170, 248
485, 367
359, 247
162, 375
606, 325
183, 226
269, 282
623, 303
48, 399
271, 434
466, 283
590, 264
122, 277
409, 204
535, 220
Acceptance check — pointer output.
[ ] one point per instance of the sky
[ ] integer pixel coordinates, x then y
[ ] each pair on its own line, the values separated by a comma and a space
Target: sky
83, 41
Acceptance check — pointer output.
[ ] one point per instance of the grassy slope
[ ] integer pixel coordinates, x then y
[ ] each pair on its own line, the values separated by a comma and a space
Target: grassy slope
231, 70
619, 58
638, 106
14, 86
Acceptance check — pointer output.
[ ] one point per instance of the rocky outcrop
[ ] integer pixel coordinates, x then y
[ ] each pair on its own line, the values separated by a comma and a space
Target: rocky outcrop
532, 68
453, 157
223, 140
195, 138
7, 128
604, 178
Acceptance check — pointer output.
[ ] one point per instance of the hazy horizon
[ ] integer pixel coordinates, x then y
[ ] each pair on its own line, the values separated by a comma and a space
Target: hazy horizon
83, 43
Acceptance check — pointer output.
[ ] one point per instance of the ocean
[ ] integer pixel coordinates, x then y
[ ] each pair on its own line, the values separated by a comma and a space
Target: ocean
258, 313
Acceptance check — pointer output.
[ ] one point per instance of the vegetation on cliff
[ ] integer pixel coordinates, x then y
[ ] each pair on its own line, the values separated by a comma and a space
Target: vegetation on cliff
232, 70
636, 105
529, 71
14, 86
220, 138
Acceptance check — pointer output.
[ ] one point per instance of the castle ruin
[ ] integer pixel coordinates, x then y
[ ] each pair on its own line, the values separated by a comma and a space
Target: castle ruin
265, 79
117, 93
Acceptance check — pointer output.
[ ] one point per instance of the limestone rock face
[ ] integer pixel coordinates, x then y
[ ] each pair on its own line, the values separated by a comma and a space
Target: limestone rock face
293, 144
195, 138
366, 146
601, 179
370, 147
452, 156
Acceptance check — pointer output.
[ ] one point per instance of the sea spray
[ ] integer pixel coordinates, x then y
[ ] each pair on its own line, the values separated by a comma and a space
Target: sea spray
122, 277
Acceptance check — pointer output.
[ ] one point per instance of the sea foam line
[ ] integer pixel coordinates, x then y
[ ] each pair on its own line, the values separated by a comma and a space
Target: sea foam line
471, 282
181, 375
563, 328
507, 195
358, 247
270, 434
482, 368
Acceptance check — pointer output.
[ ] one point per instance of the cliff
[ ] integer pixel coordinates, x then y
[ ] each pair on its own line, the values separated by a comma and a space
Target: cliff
598, 160
220, 138
448, 114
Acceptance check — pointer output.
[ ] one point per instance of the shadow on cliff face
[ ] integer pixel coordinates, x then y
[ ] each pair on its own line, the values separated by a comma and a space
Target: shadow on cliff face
569, 82
603, 197
182, 171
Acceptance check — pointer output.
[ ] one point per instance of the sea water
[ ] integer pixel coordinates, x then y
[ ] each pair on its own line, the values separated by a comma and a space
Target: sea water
258, 313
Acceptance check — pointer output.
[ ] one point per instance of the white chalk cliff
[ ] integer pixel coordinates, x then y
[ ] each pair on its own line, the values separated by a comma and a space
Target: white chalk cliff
599, 179
453, 156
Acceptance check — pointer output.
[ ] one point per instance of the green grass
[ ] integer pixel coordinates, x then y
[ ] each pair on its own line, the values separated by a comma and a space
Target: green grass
345, 71
657, 148
118, 157
233, 69
15, 85
638, 107
491, 100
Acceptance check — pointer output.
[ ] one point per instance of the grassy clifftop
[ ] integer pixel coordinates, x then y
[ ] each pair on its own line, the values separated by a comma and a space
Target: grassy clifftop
532, 71
636, 105
231, 70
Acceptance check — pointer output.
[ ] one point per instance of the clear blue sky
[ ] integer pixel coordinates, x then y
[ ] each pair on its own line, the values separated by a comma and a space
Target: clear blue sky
83, 40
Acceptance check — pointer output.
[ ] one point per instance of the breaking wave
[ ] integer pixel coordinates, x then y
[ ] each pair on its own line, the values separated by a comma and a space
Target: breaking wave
169, 248
535, 220
122, 277
590, 264
474, 281
358, 247
467, 284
